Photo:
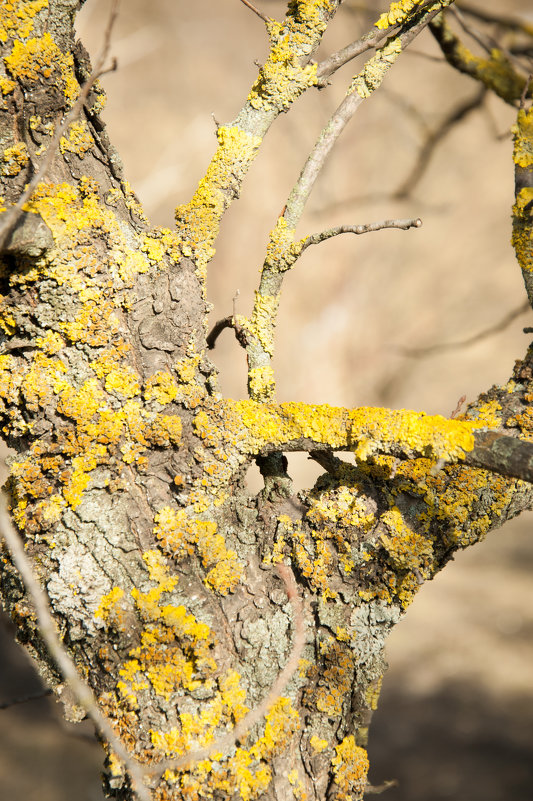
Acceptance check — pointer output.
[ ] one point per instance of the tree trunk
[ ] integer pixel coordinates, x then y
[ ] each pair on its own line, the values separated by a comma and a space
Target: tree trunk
128, 480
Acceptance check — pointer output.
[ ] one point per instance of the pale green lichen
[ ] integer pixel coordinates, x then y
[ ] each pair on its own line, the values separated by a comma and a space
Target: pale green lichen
374, 71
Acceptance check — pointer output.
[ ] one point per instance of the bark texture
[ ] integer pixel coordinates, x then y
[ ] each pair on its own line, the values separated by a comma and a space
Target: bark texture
128, 480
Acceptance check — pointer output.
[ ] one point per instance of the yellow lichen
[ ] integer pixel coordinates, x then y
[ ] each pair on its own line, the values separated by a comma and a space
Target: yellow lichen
79, 139
17, 17
198, 222
41, 58
397, 13
350, 769
366, 431
261, 383
180, 533
110, 609
14, 159
161, 387
318, 744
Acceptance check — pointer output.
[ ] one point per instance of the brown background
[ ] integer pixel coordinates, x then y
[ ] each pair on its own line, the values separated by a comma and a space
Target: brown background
456, 714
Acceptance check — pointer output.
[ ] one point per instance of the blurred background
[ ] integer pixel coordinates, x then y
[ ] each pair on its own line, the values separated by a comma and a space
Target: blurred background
456, 715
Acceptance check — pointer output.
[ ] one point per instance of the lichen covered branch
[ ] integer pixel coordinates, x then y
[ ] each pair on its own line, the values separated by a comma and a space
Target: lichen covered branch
282, 249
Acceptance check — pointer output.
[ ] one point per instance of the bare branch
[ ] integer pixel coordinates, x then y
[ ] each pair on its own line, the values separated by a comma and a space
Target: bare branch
431, 350
81, 690
255, 10
9, 219
371, 789
404, 225
241, 728
502, 454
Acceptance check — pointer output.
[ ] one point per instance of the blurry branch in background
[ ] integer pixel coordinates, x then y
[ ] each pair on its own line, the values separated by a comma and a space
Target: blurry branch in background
513, 23
433, 138
81, 691
442, 347
23, 699
487, 43
241, 728
11, 216
496, 72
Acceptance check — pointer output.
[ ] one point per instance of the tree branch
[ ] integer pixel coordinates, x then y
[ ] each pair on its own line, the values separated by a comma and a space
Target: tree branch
315, 239
262, 429
495, 73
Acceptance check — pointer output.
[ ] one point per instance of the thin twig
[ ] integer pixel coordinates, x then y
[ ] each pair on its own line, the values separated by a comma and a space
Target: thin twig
315, 239
255, 10
421, 353
10, 218
455, 116
241, 728
47, 630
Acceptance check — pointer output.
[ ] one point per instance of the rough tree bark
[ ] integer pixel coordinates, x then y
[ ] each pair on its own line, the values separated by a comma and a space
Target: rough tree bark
128, 480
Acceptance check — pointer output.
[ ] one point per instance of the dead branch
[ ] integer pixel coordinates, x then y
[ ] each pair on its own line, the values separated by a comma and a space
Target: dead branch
404, 225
